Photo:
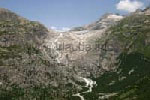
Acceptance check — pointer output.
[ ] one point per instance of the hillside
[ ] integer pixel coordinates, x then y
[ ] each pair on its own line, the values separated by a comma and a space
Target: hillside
27, 70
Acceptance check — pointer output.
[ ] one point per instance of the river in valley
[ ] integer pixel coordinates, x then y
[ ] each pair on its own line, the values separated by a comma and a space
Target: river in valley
89, 84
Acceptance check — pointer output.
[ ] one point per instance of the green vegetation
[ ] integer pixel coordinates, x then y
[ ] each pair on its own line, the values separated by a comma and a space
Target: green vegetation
10, 52
133, 33
130, 85
36, 92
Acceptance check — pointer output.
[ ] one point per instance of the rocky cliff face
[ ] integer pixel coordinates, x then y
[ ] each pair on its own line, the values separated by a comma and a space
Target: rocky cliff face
78, 48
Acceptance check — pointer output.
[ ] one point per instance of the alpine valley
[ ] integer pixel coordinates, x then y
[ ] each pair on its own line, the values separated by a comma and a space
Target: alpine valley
106, 60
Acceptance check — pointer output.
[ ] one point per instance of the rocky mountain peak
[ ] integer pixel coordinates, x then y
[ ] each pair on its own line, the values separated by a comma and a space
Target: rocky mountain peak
111, 15
8, 15
147, 10
104, 22
4, 10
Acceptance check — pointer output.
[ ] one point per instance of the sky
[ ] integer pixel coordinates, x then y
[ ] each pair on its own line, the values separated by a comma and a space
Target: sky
64, 14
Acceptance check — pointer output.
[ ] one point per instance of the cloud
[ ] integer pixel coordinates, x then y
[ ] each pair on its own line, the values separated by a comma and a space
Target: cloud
62, 29
65, 29
54, 28
129, 5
